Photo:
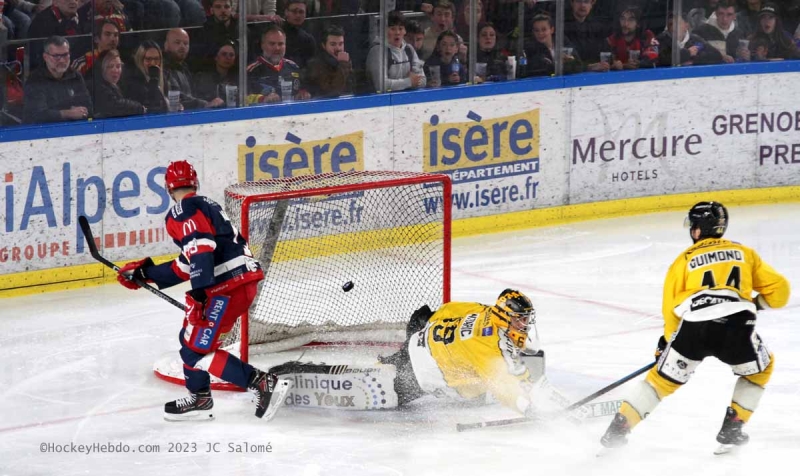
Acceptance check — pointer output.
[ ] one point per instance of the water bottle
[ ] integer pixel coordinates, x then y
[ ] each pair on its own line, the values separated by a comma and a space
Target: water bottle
522, 65
456, 66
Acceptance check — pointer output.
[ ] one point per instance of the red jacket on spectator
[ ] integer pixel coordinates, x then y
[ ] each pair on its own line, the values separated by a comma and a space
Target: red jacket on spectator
644, 44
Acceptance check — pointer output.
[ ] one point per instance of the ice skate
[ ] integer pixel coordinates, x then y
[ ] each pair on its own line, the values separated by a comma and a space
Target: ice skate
730, 436
270, 393
195, 407
616, 435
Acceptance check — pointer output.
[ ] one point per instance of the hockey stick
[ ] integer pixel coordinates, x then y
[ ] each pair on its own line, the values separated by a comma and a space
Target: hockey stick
87, 233
514, 421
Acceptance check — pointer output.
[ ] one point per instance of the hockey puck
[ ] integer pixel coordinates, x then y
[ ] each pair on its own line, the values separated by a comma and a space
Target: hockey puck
347, 286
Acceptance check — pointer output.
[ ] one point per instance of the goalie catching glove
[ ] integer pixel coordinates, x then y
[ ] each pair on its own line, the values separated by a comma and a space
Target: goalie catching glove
135, 270
196, 306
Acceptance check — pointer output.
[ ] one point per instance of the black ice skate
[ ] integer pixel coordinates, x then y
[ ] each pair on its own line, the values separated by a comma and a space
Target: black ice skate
617, 433
270, 393
195, 407
730, 435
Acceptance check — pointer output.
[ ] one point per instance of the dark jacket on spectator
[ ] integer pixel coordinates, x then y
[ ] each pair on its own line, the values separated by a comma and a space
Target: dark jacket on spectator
495, 63
135, 86
214, 33
714, 36
445, 70
51, 22
109, 101
89, 15
178, 77
300, 45
209, 84
707, 54
46, 96
588, 36
542, 63
328, 77
747, 21
783, 48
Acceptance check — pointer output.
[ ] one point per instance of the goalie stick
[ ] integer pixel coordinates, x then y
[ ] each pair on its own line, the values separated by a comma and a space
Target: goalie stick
513, 421
87, 233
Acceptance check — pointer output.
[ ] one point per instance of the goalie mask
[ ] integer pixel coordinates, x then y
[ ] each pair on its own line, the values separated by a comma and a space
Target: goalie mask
711, 218
180, 174
514, 312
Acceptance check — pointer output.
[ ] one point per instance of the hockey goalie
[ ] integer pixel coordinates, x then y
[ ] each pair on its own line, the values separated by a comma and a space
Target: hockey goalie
463, 350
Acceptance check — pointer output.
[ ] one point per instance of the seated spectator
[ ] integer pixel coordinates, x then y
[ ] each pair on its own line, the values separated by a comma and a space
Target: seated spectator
770, 29
95, 11
489, 53
144, 82
541, 52
211, 83
300, 45
760, 49
59, 20
15, 18
108, 98
414, 35
192, 12
629, 36
444, 15
54, 92
219, 28
721, 32
177, 74
106, 38
330, 72
588, 33
445, 58
403, 69
747, 18
272, 77
694, 49
462, 18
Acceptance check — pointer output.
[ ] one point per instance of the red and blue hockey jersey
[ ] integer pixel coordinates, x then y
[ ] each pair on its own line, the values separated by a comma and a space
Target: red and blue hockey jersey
214, 255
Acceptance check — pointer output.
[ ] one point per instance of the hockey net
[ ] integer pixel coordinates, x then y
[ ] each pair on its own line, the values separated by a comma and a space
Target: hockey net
347, 257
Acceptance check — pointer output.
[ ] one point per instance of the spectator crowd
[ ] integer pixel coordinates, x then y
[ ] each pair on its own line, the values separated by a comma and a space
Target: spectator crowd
111, 58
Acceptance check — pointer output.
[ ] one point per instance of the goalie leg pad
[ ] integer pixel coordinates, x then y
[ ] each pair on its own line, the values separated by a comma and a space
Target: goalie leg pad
343, 387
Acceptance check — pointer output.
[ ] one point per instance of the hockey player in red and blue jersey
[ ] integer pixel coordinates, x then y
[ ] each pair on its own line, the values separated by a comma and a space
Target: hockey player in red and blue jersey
224, 277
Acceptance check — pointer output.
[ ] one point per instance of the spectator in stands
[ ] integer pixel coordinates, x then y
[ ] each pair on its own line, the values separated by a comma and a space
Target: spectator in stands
722, 33
403, 69
541, 52
694, 49
588, 33
300, 45
61, 19
490, 54
144, 82
177, 74
272, 77
192, 12
15, 18
444, 15
212, 82
445, 58
160, 14
219, 28
770, 29
747, 18
106, 37
95, 11
629, 40
415, 35
760, 49
54, 92
462, 18
108, 98
330, 72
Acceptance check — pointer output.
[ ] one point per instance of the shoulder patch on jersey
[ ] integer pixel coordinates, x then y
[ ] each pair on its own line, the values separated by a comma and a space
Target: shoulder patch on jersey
487, 331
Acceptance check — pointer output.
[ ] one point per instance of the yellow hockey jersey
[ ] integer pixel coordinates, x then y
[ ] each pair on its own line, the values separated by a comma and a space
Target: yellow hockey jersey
472, 356
715, 278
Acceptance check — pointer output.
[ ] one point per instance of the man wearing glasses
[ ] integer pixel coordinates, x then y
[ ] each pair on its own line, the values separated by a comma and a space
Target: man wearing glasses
55, 92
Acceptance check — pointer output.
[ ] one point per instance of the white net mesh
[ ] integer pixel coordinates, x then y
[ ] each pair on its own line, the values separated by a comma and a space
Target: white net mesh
384, 233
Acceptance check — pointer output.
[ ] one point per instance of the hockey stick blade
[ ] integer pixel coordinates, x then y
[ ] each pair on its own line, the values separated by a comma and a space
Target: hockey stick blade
87, 233
514, 421
599, 409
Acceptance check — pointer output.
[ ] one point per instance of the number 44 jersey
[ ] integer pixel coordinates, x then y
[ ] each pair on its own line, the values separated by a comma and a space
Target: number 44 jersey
715, 278
461, 353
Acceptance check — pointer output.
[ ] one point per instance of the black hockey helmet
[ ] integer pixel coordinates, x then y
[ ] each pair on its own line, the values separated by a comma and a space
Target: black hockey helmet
710, 217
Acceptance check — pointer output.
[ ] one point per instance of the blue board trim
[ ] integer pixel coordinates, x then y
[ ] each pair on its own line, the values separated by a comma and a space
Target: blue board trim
48, 131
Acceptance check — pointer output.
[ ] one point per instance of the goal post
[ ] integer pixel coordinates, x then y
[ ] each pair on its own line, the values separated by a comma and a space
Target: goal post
347, 257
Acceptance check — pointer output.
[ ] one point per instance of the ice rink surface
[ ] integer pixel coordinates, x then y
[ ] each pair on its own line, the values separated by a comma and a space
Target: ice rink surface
76, 368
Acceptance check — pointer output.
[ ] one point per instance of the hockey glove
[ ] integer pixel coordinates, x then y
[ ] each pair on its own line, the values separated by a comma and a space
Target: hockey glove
195, 306
134, 270
760, 302
661, 347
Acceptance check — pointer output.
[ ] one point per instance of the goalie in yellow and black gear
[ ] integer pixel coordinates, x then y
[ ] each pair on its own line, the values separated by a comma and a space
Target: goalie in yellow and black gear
463, 350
